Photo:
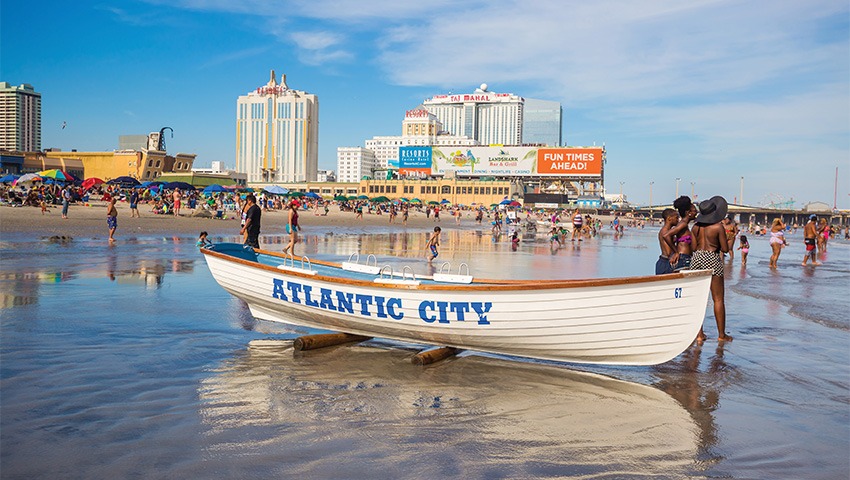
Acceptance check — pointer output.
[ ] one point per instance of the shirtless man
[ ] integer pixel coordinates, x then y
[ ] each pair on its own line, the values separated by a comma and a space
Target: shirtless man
810, 233
671, 218
112, 219
710, 243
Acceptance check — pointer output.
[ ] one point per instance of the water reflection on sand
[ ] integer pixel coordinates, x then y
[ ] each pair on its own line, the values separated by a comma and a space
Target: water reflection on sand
526, 419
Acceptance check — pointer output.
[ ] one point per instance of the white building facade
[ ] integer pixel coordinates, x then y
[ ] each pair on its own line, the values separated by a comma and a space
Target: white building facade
489, 118
354, 163
419, 127
20, 118
277, 134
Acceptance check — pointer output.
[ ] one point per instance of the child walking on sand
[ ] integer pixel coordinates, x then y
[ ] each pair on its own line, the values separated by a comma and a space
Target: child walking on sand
432, 245
745, 249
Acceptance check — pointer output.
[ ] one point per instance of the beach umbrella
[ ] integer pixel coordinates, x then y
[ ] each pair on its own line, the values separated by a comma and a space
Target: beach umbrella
276, 190
124, 181
340, 198
90, 182
381, 199
296, 194
444, 201
432, 202
56, 174
514, 203
416, 200
27, 178
8, 178
179, 185
362, 197
313, 195
214, 188
404, 200
505, 202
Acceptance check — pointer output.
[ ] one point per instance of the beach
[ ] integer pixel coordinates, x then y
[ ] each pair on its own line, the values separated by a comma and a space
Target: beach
90, 221
130, 361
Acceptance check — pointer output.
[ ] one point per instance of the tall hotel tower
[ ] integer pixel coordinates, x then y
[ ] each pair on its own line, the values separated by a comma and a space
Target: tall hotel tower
277, 134
20, 118
490, 118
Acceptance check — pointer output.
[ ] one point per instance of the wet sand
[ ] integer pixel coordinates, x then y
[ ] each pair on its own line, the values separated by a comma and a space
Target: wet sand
131, 361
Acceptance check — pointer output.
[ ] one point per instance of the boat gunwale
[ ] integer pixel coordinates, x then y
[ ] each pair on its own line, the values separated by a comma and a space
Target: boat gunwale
477, 285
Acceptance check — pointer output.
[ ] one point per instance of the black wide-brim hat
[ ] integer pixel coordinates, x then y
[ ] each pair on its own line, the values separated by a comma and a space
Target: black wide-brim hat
712, 210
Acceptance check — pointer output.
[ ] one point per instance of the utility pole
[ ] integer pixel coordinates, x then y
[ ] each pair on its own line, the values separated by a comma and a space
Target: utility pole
741, 198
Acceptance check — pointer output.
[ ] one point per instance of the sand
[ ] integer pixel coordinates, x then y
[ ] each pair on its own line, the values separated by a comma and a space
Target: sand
90, 222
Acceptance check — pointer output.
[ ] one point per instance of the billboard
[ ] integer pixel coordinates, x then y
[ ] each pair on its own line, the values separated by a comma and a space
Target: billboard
518, 161
475, 161
414, 160
572, 161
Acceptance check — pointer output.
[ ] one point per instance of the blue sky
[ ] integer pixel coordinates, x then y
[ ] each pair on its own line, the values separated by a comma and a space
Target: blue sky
705, 91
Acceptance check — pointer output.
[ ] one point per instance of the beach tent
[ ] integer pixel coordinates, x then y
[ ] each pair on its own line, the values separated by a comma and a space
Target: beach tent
276, 190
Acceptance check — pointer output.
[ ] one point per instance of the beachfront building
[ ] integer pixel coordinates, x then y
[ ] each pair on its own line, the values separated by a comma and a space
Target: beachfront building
418, 128
277, 134
20, 118
354, 163
489, 118
542, 122
141, 165
326, 176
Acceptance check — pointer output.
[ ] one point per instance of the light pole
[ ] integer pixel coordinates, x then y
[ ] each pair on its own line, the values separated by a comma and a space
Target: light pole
650, 198
677, 186
741, 198
692, 189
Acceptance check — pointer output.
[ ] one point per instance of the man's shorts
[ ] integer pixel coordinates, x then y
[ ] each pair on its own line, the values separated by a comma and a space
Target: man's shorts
662, 266
434, 251
810, 244
112, 222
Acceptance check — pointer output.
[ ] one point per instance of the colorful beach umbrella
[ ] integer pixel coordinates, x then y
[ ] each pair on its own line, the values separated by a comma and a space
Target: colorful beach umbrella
56, 174
27, 178
8, 178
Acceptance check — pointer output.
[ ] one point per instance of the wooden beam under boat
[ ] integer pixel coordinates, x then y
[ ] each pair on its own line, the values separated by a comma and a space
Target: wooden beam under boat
322, 340
431, 356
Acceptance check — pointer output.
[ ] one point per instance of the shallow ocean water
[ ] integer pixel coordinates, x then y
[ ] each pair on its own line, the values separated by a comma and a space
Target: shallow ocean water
130, 361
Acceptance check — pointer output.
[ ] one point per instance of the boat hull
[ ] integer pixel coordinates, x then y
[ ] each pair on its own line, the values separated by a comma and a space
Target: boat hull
632, 321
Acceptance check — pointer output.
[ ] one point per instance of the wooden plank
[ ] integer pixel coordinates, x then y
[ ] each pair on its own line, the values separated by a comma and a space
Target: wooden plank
322, 340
